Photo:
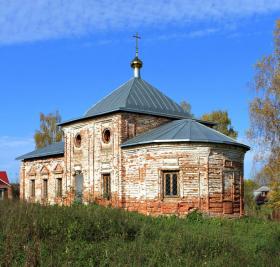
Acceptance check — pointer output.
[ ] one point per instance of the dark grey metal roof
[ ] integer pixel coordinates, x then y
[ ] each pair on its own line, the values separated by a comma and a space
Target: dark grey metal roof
136, 95
186, 130
50, 150
139, 96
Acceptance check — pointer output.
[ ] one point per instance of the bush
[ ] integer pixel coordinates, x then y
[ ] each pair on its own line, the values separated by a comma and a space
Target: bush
34, 235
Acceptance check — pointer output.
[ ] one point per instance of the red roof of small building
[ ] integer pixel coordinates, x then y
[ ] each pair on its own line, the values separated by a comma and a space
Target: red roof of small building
4, 177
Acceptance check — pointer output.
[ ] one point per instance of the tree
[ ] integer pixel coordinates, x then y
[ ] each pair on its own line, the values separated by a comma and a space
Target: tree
49, 131
223, 122
186, 106
249, 187
264, 129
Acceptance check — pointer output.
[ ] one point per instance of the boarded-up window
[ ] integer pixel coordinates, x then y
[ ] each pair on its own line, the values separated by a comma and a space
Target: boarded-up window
45, 188
170, 184
228, 185
106, 179
131, 130
79, 187
32, 188
59, 187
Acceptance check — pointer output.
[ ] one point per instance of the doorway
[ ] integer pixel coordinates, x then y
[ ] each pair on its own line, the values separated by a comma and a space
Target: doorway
79, 186
3, 193
228, 181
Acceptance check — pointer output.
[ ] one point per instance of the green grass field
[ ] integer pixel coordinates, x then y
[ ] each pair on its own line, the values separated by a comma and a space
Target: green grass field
32, 235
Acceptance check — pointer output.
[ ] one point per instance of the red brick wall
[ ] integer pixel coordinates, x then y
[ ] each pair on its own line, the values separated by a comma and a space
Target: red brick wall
202, 170
136, 182
142, 123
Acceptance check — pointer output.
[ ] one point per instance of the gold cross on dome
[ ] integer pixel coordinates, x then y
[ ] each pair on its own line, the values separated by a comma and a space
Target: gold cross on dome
137, 37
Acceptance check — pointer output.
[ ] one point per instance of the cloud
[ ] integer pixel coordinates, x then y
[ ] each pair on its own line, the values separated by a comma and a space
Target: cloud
32, 20
12, 147
182, 35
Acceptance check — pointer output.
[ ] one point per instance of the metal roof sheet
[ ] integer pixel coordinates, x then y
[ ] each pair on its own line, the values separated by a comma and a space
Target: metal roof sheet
139, 96
50, 150
136, 95
186, 130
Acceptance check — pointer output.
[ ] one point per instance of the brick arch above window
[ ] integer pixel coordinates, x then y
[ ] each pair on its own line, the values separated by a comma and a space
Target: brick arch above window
58, 169
44, 171
32, 171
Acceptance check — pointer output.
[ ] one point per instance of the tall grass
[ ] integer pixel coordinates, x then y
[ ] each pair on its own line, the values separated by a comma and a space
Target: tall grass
32, 235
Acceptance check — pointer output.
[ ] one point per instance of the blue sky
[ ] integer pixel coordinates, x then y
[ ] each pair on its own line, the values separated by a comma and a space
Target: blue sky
66, 55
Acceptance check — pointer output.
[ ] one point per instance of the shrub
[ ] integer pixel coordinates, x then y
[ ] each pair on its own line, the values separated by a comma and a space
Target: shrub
34, 235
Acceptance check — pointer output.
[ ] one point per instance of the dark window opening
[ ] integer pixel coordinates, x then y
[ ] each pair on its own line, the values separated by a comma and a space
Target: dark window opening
106, 136
3, 194
78, 140
170, 184
106, 186
79, 188
45, 188
32, 188
59, 187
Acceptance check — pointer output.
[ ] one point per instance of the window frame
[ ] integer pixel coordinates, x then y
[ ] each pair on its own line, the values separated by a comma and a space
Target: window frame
104, 141
32, 189
131, 130
78, 140
58, 187
106, 179
45, 189
171, 173
2, 194
228, 182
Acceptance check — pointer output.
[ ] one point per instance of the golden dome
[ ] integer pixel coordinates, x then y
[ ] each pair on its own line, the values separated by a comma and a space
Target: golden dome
136, 63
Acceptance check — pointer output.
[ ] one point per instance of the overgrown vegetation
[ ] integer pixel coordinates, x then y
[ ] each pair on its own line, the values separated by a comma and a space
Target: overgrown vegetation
264, 130
32, 235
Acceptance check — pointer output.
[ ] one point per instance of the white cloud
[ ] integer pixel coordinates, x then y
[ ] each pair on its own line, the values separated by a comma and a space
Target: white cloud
31, 20
12, 147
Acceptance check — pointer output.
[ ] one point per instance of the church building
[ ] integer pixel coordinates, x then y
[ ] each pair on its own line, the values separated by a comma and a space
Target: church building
138, 150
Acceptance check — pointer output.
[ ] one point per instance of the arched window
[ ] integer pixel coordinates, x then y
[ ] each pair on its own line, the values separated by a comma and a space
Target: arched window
106, 136
78, 140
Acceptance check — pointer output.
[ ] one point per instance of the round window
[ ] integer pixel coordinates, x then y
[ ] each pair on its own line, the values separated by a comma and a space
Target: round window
78, 140
106, 136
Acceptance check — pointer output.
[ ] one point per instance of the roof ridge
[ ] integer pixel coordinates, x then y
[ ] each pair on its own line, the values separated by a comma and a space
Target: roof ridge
138, 96
152, 87
4, 181
108, 95
168, 130
178, 107
4, 177
129, 91
205, 136
182, 126
217, 132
